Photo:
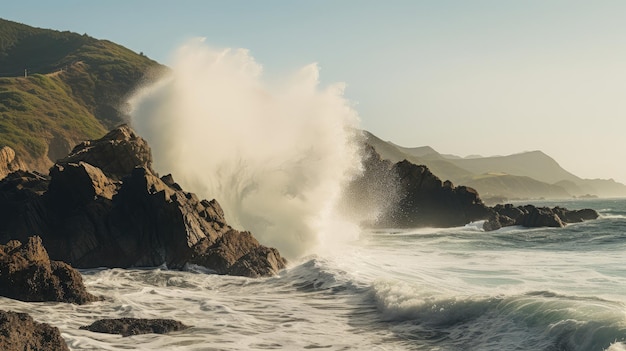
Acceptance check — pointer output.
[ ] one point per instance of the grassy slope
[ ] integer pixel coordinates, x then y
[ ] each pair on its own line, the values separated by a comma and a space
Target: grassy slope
38, 109
74, 91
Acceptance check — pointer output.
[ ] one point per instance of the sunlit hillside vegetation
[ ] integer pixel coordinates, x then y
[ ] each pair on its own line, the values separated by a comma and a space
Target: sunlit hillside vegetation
59, 88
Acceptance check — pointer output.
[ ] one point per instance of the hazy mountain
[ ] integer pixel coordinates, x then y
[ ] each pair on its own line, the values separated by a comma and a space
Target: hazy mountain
495, 185
520, 176
420, 156
59, 88
533, 164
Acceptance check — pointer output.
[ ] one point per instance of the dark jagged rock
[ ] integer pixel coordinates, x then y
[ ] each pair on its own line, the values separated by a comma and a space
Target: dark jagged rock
21, 207
532, 216
19, 332
27, 274
428, 202
103, 206
9, 163
414, 196
541, 217
238, 253
575, 216
116, 154
135, 326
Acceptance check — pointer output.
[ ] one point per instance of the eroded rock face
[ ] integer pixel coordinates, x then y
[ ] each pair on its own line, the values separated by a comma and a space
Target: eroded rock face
9, 162
135, 326
28, 274
19, 332
117, 212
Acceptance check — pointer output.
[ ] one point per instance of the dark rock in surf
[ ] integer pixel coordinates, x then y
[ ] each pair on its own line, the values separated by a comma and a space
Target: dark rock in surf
427, 202
497, 221
103, 206
135, 326
238, 253
28, 274
541, 217
420, 199
531, 216
19, 332
575, 216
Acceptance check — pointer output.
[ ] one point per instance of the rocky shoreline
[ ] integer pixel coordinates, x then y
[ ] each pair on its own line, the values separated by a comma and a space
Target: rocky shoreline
27, 274
104, 206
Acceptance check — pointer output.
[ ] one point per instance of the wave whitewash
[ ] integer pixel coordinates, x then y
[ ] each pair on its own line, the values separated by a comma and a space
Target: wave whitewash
426, 289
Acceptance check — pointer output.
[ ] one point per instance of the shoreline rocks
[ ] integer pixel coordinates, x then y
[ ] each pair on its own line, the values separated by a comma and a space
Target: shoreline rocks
19, 332
104, 206
28, 274
532, 217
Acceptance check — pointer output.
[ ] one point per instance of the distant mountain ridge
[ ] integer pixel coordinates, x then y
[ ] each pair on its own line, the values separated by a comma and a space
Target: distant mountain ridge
526, 175
59, 88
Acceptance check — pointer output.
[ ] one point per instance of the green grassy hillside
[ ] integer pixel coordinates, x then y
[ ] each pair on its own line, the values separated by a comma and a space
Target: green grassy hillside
74, 90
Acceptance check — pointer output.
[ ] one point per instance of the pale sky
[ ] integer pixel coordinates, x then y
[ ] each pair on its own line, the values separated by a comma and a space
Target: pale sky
465, 77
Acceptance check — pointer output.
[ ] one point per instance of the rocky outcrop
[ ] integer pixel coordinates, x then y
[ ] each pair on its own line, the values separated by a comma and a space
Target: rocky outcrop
531, 216
575, 216
28, 274
409, 195
428, 201
104, 206
237, 253
115, 154
9, 162
135, 326
412, 196
19, 332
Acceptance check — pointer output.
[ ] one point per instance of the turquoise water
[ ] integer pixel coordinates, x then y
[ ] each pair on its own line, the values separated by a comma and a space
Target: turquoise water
423, 289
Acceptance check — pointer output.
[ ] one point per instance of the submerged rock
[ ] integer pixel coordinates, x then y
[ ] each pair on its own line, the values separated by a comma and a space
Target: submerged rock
135, 326
28, 274
104, 206
19, 332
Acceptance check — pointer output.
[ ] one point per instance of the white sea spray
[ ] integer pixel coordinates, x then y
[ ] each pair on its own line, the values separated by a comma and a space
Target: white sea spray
275, 156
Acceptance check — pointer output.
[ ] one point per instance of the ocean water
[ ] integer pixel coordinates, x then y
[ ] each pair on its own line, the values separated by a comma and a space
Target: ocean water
422, 289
